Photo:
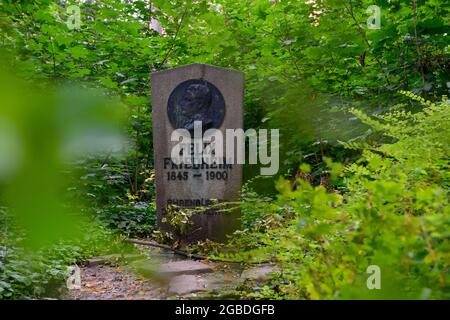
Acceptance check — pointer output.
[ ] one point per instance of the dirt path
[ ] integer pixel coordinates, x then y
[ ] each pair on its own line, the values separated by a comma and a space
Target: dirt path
157, 274
115, 283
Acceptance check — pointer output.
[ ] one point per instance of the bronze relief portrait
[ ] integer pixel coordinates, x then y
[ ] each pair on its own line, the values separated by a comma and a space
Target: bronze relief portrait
196, 100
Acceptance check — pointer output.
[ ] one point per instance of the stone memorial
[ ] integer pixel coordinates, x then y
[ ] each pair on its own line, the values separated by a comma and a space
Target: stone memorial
183, 98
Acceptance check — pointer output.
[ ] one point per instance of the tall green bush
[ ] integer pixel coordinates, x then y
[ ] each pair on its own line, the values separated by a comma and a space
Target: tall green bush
390, 211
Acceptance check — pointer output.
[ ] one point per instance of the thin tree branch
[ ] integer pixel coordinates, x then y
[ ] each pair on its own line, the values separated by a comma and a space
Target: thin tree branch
419, 53
175, 36
363, 34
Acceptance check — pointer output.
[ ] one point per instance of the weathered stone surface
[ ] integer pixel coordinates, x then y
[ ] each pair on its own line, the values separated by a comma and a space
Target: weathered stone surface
259, 274
192, 188
186, 267
185, 284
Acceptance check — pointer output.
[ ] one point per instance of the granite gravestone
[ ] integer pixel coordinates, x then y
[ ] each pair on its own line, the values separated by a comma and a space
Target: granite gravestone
181, 97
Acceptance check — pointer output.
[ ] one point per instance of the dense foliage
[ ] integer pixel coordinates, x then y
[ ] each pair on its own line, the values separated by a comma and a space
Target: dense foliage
364, 177
26, 274
390, 210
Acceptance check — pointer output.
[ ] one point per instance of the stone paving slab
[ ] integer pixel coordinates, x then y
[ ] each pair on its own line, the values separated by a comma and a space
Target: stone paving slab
185, 284
186, 267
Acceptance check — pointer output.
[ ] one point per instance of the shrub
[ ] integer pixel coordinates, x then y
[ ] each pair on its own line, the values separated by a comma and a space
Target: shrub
391, 211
